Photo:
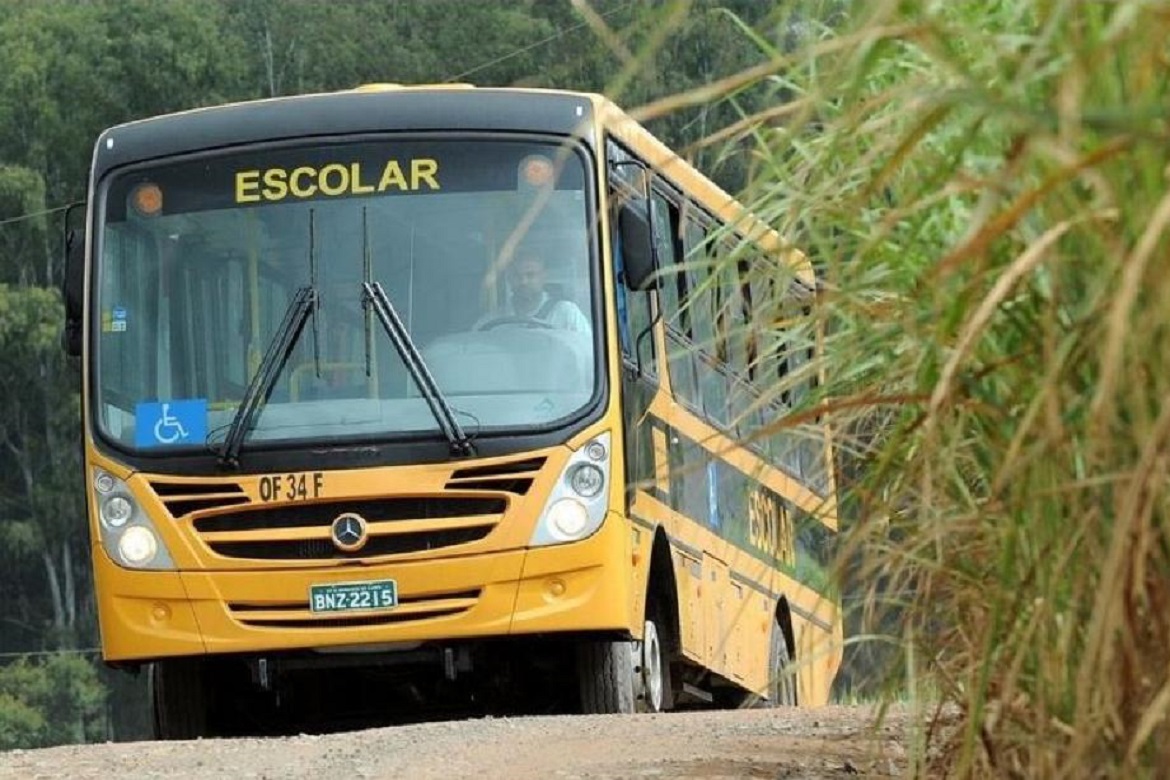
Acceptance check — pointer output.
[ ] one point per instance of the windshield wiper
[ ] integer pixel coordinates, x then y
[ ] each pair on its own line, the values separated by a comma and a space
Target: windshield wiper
376, 298
304, 303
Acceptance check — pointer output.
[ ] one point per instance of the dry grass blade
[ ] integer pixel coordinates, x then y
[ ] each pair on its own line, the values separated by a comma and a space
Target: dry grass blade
1135, 269
747, 125
603, 31
1131, 540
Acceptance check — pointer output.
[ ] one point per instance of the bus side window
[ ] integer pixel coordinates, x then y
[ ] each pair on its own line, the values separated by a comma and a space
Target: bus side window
762, 319
683, 381
735, 322
702, 302
731, 319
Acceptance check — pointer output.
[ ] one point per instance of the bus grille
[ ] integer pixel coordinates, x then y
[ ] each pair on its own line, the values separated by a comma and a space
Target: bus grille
183, 498
396, 526
318, 549
515, 477
296, 614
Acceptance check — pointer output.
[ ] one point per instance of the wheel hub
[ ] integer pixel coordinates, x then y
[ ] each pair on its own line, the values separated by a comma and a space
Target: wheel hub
648, 669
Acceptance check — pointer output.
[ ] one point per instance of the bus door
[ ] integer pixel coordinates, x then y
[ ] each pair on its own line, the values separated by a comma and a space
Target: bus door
645, 466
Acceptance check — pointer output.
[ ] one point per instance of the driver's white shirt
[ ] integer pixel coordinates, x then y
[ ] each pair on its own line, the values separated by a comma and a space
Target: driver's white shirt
563, 315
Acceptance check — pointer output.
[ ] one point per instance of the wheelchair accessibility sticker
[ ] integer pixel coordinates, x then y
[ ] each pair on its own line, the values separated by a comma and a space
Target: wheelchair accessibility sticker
172, 423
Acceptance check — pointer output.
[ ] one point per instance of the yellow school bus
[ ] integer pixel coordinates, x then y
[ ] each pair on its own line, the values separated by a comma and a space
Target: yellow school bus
424, 382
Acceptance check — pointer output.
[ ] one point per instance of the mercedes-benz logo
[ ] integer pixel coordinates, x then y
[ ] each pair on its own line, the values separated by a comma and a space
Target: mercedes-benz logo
349, 532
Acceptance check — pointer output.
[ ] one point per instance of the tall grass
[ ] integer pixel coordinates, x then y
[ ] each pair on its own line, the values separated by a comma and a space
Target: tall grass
984, 188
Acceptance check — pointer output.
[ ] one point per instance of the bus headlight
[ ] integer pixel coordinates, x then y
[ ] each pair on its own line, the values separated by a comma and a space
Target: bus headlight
137, 545
567, 518
128, 535
577, 504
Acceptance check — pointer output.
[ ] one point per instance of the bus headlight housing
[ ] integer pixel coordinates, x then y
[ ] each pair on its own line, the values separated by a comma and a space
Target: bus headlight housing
128, 535
576, 506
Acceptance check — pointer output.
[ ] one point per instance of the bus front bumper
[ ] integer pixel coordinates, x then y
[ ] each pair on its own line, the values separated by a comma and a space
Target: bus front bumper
582, 586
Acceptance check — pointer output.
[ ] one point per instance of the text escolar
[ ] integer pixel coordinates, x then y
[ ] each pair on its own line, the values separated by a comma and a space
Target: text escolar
334, 180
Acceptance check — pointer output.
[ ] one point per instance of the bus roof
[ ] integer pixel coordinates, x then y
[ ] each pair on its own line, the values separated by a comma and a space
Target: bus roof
349, 112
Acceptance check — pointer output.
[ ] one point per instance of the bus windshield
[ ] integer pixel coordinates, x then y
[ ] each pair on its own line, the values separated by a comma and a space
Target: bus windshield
483, 246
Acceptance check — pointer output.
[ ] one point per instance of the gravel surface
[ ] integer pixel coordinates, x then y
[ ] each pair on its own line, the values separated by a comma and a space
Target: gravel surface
828, 742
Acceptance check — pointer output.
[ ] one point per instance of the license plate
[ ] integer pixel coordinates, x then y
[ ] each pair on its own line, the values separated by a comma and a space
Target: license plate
353, 596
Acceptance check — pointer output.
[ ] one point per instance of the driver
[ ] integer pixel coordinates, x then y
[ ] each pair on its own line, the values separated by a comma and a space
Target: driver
528, 298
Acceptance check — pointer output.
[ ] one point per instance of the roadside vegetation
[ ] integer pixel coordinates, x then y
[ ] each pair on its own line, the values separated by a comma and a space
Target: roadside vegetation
984, 188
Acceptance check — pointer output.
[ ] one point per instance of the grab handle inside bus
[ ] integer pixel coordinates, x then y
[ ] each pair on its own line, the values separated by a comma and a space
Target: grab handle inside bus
73, 284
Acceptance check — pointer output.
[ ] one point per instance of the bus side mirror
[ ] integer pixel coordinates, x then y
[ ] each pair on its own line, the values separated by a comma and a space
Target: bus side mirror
638, 257
73, 291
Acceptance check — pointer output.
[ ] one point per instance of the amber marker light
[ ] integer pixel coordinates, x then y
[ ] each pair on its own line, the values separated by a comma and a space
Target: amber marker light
536, 171
147, 199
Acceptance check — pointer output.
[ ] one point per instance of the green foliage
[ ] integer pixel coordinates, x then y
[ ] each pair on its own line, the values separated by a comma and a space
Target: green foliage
55, 701
41, 509
30, 322
72, 69
23, 252
20, 725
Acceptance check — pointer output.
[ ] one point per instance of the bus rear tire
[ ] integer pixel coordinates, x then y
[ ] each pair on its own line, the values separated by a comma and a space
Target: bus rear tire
178, 696
781, 679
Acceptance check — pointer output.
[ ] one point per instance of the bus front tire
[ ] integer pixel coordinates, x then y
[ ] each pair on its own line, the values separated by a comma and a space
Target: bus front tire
626, 677
605, 671
178, 696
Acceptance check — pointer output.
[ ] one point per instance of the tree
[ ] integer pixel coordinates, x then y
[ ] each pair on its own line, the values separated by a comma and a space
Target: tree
24, 254
42, 512
304, 47
72, 69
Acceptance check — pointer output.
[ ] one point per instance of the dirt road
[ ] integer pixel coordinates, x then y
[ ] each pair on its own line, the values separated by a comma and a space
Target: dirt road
830, 742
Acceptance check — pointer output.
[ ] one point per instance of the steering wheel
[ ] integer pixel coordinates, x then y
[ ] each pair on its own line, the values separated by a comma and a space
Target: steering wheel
526, 322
